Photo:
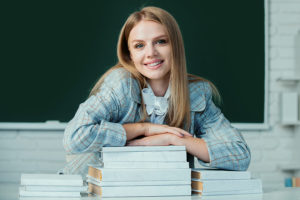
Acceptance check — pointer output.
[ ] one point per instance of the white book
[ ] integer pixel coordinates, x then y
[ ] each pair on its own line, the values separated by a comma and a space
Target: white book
199, 173
229, 196
141, 191
25, 193
95, 181
229, 192
55, 188
166, 156
49, 198
104, 174
145, 165
142, 148
225, 186
51, 179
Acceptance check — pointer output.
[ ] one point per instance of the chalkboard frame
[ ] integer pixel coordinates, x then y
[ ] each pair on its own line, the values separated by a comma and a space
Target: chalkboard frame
59, 126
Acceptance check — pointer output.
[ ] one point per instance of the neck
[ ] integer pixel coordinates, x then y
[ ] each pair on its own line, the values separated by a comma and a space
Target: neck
159, 87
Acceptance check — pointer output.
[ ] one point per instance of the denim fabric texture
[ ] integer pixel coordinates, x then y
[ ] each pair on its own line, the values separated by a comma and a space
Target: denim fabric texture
98, 123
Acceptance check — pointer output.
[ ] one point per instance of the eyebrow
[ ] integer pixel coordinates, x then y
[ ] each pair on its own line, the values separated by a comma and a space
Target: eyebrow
160, 36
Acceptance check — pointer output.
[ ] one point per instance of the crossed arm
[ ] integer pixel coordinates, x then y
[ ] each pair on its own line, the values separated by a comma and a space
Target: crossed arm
163, 135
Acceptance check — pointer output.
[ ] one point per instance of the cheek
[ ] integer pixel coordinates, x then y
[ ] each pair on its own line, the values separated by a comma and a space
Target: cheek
136, 58
168, 53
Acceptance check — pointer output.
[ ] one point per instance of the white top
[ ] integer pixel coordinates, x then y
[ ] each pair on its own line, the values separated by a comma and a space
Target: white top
156, 107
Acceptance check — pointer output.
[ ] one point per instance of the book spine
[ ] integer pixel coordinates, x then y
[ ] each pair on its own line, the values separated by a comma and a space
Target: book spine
144, 156
94, 189
94, 172
288, 182
297, 182
294, 181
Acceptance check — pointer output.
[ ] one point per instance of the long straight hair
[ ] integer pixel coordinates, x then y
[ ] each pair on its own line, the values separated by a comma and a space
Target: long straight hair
179, 103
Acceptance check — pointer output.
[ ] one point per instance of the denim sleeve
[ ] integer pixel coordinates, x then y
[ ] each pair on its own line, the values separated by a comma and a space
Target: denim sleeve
95, 123
226, 146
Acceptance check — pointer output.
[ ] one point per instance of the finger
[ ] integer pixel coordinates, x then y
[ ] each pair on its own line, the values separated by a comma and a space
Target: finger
173, 131
183, 132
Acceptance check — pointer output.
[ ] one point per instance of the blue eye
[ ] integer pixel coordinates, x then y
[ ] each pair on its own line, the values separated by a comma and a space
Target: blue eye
161, 41
137, 46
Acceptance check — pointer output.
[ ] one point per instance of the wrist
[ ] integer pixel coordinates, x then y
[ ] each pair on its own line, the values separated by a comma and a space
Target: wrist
175, 140
145, 128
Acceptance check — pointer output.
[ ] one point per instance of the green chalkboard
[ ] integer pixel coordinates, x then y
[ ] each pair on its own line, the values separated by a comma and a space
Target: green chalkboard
53, 52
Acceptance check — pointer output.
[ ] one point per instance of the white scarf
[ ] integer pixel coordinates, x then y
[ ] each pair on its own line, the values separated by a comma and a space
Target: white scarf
156, 107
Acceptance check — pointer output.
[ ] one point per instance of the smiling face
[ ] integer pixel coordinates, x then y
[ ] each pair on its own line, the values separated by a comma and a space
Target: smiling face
150, 51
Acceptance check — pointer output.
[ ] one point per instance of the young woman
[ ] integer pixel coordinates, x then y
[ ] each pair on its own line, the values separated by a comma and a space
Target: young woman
149, 99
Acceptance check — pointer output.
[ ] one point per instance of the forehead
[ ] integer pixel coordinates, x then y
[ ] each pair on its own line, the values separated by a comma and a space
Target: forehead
146, 29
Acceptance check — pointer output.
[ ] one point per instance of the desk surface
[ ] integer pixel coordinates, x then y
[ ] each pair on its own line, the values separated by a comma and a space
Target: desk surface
284, 194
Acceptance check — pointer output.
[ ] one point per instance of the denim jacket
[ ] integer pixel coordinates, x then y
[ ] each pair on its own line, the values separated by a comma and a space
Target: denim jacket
98, 123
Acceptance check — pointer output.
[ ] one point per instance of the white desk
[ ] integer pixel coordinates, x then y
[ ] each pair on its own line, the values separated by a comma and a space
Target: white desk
285, 194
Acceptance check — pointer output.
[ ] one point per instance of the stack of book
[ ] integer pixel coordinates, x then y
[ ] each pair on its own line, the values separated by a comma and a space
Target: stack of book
292, 182
209, 182
141, 171
51, 185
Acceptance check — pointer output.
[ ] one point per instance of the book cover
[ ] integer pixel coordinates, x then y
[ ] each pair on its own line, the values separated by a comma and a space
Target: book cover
104, 174
145, 165
130, 156
143, 148
51, 179
133, 183
210, 174
140, 191
25, 193
55, 188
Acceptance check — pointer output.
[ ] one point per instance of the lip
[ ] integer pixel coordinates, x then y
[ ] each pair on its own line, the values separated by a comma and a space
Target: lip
153, 61
156, 66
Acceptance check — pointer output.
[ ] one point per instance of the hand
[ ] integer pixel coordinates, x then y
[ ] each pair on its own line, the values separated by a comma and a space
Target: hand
154, 140
154, 129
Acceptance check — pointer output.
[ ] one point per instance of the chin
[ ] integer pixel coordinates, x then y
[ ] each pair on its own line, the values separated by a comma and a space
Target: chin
155, 77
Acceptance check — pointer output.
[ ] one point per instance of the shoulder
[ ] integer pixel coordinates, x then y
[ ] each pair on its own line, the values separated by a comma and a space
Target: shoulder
200, 87
117, 75
200, 93
117, 79
122, 83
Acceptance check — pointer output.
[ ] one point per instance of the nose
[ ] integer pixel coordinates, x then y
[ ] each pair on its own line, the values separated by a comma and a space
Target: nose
151, 51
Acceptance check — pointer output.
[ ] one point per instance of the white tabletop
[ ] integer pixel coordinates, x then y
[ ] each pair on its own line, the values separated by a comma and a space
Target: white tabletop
284, 194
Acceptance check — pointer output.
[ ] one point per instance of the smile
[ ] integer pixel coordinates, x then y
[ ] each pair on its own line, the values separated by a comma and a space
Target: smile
154, 65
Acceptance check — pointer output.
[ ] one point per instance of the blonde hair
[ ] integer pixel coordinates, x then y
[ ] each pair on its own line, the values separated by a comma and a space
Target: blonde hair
179, 105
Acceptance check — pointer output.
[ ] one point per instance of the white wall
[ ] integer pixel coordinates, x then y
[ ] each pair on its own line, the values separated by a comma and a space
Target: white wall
276, 147
42, 151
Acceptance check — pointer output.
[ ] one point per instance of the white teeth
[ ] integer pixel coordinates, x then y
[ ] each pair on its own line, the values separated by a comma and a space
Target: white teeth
154, 64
